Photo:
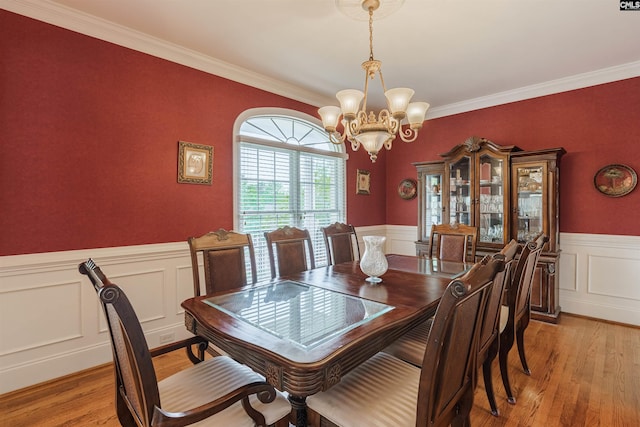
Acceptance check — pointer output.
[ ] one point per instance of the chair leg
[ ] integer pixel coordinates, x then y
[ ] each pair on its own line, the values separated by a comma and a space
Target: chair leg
505, 346
125, 417
523, 358
463, 418
488, 386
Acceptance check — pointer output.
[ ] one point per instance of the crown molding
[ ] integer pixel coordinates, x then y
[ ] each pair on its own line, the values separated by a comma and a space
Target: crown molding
578, 81
71, 19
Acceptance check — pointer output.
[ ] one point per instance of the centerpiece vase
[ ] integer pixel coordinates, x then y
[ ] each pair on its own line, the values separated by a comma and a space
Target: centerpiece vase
373, 262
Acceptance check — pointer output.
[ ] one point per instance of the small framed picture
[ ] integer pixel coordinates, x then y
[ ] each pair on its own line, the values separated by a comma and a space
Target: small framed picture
195, 163
363, 182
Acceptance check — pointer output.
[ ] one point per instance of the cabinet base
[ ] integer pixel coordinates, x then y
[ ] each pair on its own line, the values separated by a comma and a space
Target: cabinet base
546, 317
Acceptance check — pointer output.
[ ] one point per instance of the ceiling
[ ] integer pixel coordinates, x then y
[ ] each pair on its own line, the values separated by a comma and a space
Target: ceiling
458, 55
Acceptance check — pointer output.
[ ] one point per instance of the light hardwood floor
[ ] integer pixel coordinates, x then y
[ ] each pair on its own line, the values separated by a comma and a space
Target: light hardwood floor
584, 373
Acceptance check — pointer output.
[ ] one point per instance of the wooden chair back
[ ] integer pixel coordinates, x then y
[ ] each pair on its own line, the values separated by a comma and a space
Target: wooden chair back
453, 242
341, 243
491, 324
224, 255
520, 295
290, 249
136, 384
447, 379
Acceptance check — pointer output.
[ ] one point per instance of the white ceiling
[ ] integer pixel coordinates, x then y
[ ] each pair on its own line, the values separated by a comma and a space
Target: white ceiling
457, 54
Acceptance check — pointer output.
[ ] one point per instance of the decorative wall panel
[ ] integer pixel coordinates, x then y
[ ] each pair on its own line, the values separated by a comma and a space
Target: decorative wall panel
50, 312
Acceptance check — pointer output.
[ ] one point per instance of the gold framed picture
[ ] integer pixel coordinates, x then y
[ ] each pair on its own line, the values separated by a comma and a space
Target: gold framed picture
363, 182
195, 163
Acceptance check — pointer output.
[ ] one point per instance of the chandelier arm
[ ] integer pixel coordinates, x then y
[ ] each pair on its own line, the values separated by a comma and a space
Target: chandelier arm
366, 90
388, 121
408, 134
356, 125
384, 88
336, 138
354, 144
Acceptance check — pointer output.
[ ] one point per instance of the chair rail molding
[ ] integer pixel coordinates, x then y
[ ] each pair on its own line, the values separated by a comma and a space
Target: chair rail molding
51, 324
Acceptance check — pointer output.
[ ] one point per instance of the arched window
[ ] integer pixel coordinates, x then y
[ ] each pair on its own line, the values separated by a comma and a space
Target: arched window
287, 172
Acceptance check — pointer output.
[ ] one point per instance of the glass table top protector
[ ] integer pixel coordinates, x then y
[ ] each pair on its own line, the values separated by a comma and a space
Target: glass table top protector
428, 266
305, 315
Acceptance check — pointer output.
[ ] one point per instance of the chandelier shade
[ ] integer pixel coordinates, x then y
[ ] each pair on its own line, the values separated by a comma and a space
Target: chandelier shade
373, 131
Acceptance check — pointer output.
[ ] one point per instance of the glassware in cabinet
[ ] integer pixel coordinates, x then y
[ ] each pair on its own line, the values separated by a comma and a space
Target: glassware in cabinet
491, 201
433, 207
531, 209
460, 193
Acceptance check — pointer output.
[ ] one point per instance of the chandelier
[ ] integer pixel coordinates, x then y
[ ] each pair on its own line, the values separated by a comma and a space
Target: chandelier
365, 128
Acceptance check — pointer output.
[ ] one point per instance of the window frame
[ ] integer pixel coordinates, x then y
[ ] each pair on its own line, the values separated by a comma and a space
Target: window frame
292, 114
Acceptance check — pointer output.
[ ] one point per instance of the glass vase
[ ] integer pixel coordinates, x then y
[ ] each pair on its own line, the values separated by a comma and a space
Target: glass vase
373, 262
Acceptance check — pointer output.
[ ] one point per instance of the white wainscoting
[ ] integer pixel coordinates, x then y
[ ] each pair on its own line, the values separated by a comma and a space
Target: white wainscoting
51, 323
600, 276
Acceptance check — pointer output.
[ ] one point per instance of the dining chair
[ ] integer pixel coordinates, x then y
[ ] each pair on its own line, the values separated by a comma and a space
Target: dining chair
290, 250
515, 314
214, 392
387, 391
224, 255
412, 346
453, 242
489, 343
341, 243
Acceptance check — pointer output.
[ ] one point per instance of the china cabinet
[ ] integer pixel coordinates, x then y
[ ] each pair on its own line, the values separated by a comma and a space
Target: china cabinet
508, 194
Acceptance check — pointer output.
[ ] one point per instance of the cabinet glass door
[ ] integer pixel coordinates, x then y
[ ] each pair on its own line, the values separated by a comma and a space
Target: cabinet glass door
460, 191
491, 200
530, 201
433, 200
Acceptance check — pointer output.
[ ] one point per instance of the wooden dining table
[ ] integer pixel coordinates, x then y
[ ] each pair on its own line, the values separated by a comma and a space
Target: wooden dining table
305, 331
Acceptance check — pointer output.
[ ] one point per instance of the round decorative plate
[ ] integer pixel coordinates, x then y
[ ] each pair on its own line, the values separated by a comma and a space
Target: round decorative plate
408, 189
615, 180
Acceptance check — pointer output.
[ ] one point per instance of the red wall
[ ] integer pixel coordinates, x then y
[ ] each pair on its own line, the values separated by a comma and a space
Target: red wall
597, 126
89, 134
89, 137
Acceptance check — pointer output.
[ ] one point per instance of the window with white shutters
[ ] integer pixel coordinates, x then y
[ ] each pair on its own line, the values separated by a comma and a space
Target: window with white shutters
287, 173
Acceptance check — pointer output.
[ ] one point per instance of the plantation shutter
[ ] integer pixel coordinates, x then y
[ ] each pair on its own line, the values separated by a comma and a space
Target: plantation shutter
286, 183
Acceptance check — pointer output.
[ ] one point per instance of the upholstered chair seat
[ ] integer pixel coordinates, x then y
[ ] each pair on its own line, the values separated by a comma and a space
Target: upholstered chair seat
385, 399
212, 379
411, 346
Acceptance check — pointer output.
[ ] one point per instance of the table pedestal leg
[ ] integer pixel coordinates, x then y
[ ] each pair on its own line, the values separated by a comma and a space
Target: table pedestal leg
299, 406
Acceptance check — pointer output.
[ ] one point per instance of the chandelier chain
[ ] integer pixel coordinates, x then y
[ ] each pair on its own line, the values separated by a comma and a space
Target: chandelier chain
370, 33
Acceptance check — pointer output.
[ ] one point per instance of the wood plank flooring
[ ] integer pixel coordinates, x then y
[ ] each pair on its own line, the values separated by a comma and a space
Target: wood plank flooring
584, 373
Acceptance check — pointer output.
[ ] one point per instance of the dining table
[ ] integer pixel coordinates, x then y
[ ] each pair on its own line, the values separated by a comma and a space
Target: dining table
305, 331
